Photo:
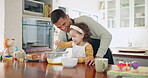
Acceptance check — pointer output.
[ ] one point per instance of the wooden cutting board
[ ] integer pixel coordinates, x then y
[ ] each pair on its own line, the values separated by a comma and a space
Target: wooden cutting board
132, 50
141, 72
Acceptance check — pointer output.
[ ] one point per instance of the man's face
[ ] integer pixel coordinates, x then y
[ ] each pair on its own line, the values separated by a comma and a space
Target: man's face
63, 24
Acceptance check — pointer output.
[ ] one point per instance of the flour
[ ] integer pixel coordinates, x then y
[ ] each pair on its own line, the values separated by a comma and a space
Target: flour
57, 60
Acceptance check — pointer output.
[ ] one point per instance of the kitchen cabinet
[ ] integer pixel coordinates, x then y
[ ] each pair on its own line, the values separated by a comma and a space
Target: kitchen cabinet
125, 13
142, 61
37, 9
13, 19
37, 29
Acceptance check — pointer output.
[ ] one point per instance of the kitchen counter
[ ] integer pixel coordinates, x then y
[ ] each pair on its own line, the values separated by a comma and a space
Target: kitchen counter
15, 69
128, 56
115, 52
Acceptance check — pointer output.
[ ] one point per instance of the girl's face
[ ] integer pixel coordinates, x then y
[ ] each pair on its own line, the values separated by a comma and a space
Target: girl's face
77, 38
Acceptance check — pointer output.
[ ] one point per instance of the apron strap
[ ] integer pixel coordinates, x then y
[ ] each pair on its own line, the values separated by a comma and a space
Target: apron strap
67, 38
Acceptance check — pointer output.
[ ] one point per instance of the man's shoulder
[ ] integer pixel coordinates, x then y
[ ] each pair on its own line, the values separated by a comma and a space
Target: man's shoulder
83, 19
61, 34
83, 16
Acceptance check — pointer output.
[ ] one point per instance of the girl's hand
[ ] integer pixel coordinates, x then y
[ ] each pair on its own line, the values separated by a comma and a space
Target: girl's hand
43, 57
56, 42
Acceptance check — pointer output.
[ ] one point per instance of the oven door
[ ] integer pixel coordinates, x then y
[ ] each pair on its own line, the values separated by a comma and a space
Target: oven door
37, 33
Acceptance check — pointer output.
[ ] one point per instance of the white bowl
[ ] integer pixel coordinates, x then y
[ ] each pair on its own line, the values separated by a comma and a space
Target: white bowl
69, 62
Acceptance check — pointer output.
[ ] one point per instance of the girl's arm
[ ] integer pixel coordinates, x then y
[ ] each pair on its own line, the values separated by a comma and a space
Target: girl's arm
65, 44
89, 54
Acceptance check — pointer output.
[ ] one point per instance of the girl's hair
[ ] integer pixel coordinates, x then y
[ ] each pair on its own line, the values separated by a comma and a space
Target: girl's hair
86, 30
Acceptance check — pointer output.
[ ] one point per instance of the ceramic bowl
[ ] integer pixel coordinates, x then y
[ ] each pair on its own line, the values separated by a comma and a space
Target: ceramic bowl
69, 62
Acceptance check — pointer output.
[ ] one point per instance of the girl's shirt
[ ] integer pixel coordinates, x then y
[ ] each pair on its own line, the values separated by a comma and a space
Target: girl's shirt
81, 52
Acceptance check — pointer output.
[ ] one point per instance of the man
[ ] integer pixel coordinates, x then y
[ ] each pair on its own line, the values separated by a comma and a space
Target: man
100, 38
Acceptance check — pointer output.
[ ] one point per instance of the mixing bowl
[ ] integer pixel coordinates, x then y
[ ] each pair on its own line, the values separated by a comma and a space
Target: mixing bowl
69, 62
55, 57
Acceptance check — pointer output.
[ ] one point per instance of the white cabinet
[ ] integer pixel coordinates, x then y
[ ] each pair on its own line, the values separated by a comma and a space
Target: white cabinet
125, 13
111, 13
140, 13
142, 61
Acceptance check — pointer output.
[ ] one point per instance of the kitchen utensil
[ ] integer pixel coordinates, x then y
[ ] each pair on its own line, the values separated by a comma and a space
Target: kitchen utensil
56, 47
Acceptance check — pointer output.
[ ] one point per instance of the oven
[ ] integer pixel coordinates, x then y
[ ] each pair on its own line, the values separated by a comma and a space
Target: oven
37, 34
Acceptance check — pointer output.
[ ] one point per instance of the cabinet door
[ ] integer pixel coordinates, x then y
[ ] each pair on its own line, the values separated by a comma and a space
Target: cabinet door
111, 13
139, 13
124, 13
143, 62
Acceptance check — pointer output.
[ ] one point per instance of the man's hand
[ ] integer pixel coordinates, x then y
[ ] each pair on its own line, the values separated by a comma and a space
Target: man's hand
91, 61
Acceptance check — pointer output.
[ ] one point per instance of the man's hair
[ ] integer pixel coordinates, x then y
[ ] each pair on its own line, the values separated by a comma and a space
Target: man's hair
86, 30
56, 15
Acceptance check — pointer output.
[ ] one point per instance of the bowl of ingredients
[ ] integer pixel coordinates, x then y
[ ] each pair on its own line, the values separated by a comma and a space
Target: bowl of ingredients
55, 57
69, 62
33, 57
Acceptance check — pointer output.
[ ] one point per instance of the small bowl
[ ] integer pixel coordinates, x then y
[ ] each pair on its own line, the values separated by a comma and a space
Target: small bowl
69, 62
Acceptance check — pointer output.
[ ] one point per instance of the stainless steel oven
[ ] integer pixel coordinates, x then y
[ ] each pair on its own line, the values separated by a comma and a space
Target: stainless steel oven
37, 33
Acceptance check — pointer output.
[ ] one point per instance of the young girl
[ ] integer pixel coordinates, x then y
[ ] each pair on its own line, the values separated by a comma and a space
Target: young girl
81, 49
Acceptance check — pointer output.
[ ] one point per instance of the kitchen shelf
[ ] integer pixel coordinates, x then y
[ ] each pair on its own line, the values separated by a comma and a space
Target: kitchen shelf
140, 17
113, 9
36, 17
124, 7
125, 18
139, 5
110, 0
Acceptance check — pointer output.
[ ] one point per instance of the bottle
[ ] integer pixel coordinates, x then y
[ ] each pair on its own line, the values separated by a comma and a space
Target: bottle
20, 55
0, 56
15, 52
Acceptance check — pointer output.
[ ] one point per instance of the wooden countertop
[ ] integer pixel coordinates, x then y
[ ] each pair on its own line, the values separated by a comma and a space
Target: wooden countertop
13, 69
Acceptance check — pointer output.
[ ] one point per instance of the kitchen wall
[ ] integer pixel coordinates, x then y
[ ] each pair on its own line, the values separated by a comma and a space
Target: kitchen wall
13, 20
89, 6
122, 37
13, 10
2, 13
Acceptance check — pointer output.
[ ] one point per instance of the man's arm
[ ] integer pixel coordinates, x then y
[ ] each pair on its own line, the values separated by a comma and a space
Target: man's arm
98, 32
